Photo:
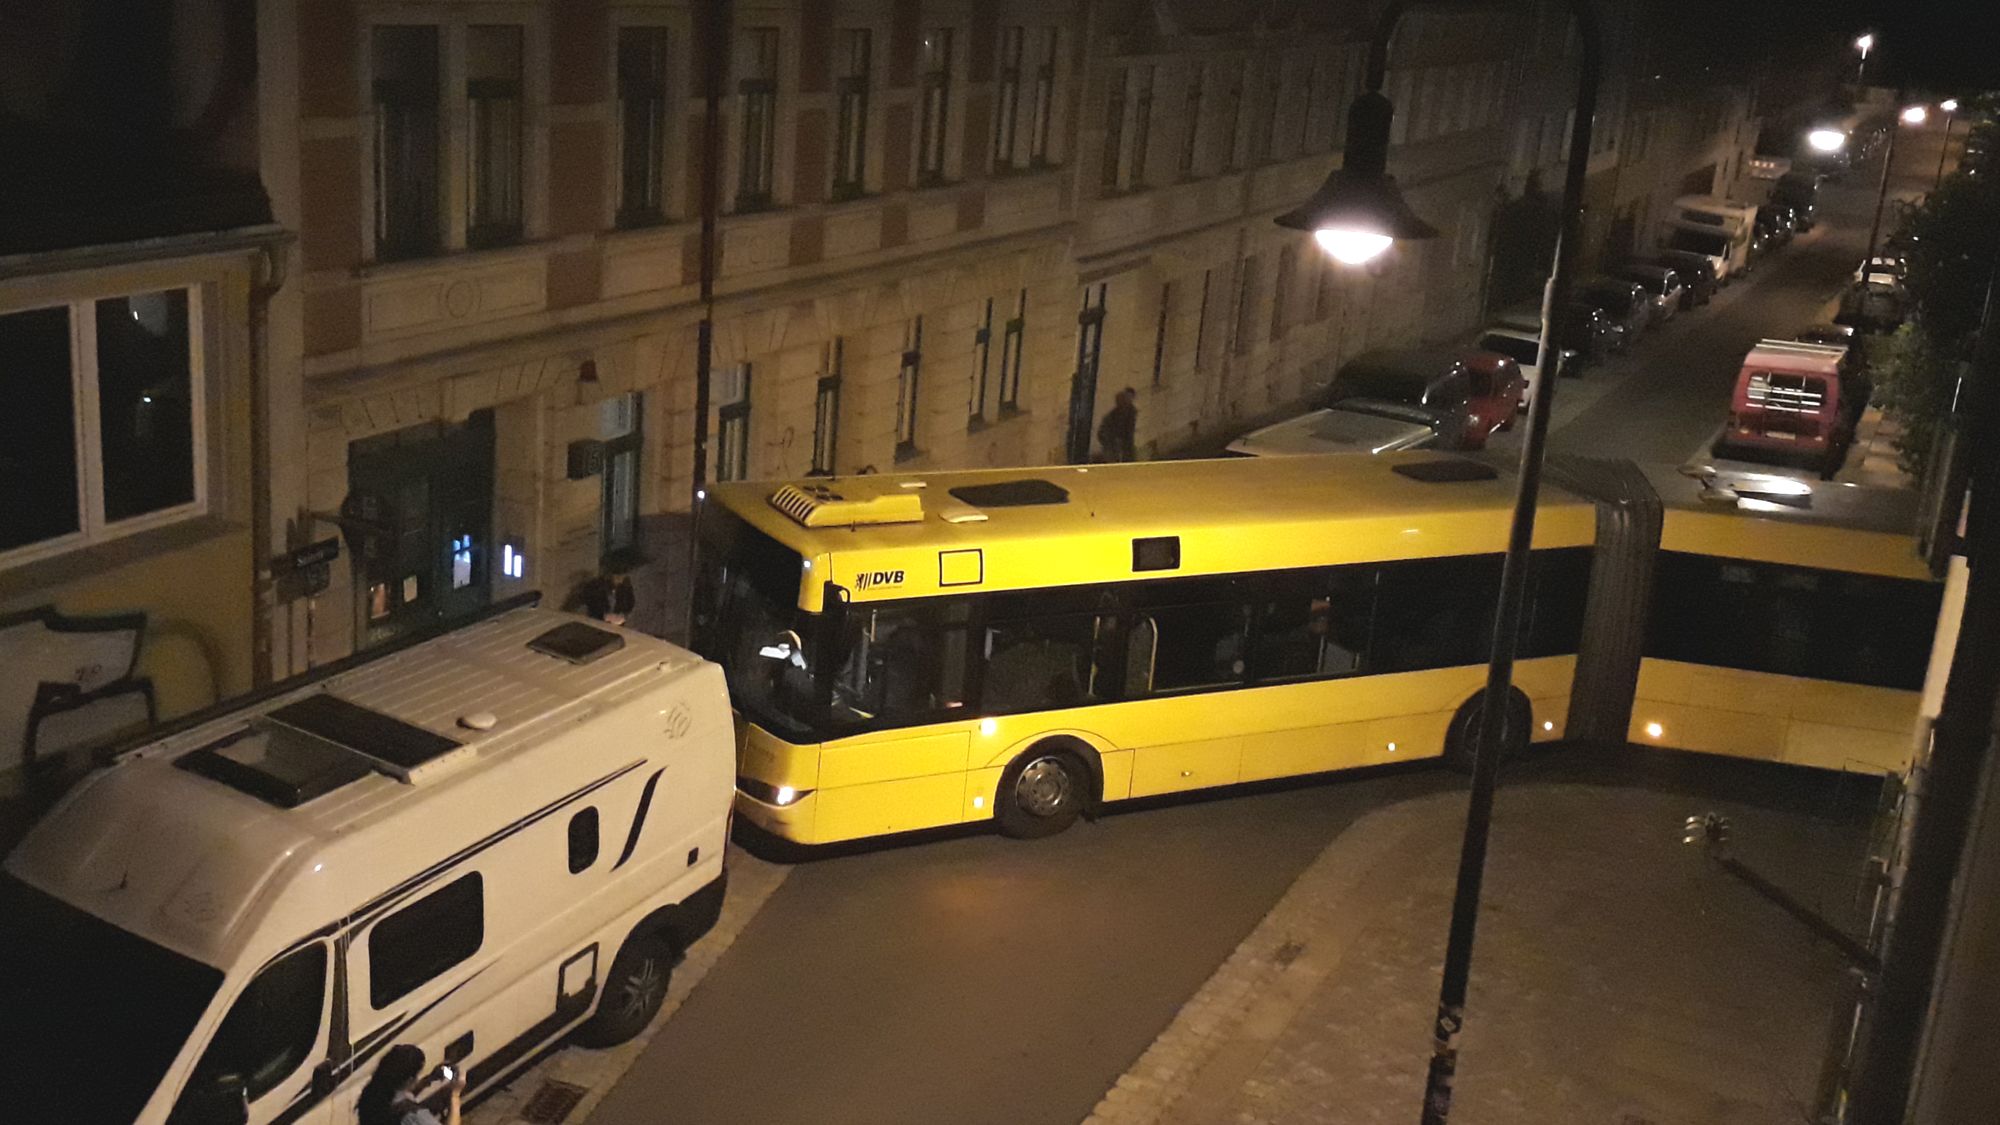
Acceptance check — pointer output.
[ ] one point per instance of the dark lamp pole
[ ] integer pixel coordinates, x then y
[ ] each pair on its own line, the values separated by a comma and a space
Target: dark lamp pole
1361, 198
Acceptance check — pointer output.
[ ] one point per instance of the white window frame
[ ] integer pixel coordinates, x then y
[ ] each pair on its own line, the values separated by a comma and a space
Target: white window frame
93, 527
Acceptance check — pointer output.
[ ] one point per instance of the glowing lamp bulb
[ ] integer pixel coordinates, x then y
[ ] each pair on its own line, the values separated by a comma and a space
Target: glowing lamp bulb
1353, 247
1826, 140
1949, 105
1655, 730
1915, 115
1864, 43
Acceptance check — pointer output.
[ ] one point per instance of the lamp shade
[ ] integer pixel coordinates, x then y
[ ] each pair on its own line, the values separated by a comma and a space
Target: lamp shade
1361, 197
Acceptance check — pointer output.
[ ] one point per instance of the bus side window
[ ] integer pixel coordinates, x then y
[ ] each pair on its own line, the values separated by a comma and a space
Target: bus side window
1199, 645
1317, 634
904, 663
1038, 664
1142, 648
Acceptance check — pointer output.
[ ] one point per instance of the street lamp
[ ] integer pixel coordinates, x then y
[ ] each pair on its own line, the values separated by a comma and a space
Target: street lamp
1911, 115
1863, 43
1826, 140
1915, 115
1950, 108
1360, 211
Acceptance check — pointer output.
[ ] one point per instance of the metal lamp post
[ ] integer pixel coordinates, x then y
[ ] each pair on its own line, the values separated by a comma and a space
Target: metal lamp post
1950, 108
1357, 214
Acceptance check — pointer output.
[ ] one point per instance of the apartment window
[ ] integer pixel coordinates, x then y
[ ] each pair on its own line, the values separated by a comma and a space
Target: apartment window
1232, 118
934, 107
982, 352
1045, 98
1191, 121
104, 429
1012, 341
908, 378
757, 92
1142, 124
826, 410
1274, 103
732, 452
407, 148
1201, 321
493, 135
1281, 291
850, 161
1114, 130
642, 124
618, 428
1160, 334
1007, 111
1089, 362
1246, 306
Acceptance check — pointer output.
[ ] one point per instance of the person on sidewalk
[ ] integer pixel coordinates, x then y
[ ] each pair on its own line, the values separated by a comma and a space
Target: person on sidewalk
609, 597
1117, 433
390, 1096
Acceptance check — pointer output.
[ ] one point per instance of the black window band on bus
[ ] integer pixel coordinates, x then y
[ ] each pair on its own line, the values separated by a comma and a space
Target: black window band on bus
1162, 552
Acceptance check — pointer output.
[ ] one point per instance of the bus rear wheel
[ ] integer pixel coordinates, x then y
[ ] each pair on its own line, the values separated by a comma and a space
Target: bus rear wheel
1463, 734
1041, 792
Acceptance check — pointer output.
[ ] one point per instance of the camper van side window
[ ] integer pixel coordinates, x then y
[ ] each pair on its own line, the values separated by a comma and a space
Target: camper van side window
422, 940
583, 840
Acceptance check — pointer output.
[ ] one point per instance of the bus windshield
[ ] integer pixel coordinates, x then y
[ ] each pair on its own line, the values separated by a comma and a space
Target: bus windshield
748, 620
92, 1015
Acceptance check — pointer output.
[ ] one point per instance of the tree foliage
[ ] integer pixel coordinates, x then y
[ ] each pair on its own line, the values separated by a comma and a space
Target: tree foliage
1951, 243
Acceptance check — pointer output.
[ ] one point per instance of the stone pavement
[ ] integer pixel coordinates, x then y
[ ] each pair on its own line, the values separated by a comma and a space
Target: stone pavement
1616, 977
751, 883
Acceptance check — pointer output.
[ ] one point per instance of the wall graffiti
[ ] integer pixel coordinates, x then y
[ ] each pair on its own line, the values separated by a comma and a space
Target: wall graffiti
68, 681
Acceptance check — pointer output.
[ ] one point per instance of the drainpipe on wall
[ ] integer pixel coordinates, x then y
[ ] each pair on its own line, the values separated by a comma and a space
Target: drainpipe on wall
712, 71
261, 291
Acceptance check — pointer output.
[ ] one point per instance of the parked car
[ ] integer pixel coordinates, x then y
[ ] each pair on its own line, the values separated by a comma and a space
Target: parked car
1697, 273
1524, 347
1839, 335
1883, 267
1774, 220
1662, 285
1499, 387
1592, 335
1356, 425
1794, 404
1800, 190
1623, 302
1877, 304
1472, 403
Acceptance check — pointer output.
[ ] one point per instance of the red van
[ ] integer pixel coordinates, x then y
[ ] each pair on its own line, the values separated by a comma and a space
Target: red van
1793, 404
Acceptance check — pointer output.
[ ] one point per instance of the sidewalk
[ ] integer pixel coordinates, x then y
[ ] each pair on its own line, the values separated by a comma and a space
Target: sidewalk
1616, 979
1872, 459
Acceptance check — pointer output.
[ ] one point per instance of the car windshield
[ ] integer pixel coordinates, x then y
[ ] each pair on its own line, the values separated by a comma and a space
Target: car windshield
92, 1015
1700, 242
1513, 347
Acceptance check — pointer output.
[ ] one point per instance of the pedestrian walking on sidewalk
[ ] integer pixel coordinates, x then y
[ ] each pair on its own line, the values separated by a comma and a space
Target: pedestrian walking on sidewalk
1117, 433
390, 1096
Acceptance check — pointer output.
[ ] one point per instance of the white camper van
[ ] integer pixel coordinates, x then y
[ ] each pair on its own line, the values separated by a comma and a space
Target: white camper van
475, 845
1719, 229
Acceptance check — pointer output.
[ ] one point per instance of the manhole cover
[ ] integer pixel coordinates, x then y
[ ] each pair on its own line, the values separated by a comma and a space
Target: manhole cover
553, 1103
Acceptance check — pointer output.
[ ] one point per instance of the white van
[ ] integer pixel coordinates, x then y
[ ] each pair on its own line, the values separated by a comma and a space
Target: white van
475, 845
1719, 229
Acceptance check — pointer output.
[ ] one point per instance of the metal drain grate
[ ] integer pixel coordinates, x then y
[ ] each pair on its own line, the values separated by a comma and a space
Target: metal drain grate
553, 1103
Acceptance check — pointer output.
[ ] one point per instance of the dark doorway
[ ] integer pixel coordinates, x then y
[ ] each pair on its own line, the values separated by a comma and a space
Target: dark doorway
1083, 387
421, 502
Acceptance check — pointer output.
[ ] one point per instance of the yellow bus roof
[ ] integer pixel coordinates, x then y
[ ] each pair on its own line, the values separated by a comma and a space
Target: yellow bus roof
1793, 522
1231, 516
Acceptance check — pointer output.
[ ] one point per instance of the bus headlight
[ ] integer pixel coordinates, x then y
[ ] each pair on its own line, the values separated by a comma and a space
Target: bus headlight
778, 795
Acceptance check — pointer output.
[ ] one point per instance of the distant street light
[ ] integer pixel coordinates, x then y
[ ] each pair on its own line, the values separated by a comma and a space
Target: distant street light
1355, 216
1864, 43
1826, 140
1915, 115
1950, 107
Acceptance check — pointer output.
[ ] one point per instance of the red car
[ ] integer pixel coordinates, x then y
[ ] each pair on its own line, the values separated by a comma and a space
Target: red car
1473, 393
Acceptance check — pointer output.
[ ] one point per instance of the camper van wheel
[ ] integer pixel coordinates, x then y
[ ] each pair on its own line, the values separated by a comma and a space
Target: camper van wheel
1464, 731
1042, 792
633, 992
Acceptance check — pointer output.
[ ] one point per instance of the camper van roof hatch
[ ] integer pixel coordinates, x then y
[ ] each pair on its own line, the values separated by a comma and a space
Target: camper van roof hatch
286, 772
577, 642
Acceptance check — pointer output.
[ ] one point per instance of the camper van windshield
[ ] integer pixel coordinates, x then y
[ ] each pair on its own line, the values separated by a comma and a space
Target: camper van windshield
92, 1015
1701, 242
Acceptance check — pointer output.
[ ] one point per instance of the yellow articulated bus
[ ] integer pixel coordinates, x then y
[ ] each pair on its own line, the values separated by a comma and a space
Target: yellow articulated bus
907, 652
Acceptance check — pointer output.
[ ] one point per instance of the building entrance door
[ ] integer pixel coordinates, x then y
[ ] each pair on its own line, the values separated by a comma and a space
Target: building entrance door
421, 502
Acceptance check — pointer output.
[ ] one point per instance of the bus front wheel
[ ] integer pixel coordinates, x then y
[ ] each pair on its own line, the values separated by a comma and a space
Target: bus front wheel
1042, 792
1464, 731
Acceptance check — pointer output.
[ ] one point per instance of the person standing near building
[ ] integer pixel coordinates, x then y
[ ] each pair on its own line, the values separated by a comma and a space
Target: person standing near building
610, 597
1117, 434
